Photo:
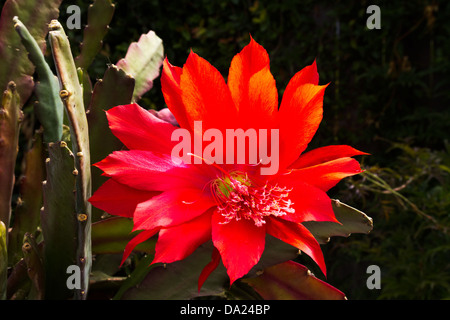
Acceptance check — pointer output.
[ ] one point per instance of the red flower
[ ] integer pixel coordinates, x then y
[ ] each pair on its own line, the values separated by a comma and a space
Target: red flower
232, 204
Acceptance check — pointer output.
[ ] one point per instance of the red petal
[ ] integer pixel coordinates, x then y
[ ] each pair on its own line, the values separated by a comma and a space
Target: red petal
308, 74
178, 242
325, 175
240, 243
170, 86
298, 236
209, 268
118, 199
310, 203
299, 116
325, 154
252, 86
141, 237
205, 95
138, 129
146, 170
172, 208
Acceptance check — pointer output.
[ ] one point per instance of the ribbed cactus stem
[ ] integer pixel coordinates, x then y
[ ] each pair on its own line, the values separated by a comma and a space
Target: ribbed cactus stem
49, 110
58, 220
72, 96
100, 13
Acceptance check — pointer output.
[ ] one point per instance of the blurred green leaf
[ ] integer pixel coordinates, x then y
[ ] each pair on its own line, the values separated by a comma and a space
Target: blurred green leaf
351, 219
112, 235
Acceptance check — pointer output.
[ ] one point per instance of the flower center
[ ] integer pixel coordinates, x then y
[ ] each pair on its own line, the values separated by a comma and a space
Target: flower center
239, 199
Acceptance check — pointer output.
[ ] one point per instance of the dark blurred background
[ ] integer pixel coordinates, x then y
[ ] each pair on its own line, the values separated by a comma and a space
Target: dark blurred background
388, 95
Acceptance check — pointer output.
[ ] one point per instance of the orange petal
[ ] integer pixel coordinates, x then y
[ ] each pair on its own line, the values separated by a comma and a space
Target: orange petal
205, 95
252, 86
300, 115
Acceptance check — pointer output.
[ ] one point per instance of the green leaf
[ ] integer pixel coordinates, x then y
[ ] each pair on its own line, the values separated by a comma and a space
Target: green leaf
143, 61
351, 219
112, 235
292, 281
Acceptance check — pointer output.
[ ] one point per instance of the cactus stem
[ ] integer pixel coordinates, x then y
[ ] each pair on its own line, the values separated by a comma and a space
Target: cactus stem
72, 96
